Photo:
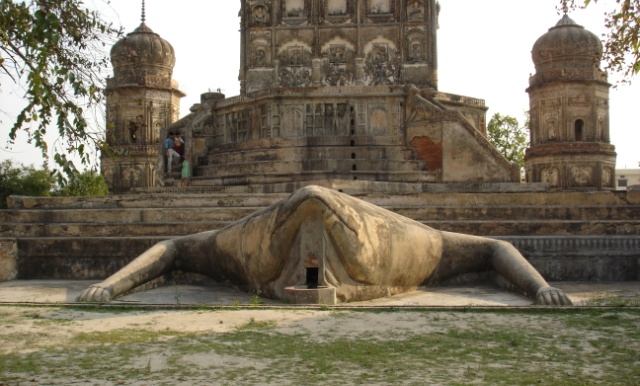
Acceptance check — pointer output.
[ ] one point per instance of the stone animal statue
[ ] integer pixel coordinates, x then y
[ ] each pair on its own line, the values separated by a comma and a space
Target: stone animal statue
419, 107
361, 250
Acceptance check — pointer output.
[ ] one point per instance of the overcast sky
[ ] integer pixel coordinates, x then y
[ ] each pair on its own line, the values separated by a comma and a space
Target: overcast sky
484, 52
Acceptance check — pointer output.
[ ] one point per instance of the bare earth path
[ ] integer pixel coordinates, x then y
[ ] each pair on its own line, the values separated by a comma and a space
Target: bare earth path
257, 345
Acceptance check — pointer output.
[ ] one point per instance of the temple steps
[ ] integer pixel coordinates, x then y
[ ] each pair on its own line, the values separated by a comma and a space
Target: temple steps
91, 237
538, 227
374, 158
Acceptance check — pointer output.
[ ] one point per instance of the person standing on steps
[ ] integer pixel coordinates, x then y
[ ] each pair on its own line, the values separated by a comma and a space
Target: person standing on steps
168, 150
186, 171
178, 145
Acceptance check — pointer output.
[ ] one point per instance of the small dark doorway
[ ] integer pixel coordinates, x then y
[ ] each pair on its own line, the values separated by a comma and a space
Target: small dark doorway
579, 129
312, 278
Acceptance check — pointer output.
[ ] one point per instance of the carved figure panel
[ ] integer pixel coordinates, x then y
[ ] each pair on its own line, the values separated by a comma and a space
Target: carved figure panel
379, 120
551, 177
415, 10
338, 54
295, 56
260, 15
314, 122
582, 175
295, 77
418, 107
336, 7
296, 70
379, 6
294, 8
381, 64
416, 46
260, 49
131, 177
607, 177
551, 126
292, 120
338, 75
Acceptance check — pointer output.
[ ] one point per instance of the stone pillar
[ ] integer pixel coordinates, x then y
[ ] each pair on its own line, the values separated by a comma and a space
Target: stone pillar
8, 259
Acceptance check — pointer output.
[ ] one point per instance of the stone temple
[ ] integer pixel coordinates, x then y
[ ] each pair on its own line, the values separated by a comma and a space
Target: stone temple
343, 94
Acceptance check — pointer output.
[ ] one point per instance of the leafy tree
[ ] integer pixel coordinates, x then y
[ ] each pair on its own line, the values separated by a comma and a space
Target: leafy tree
55, 50
505, 133
24, 181
89, 183
622, 40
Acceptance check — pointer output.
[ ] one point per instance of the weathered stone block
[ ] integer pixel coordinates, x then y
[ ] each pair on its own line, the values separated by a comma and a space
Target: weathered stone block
8, 259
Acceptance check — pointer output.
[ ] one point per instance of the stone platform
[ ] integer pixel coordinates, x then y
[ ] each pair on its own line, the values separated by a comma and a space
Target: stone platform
567, 236
52, 292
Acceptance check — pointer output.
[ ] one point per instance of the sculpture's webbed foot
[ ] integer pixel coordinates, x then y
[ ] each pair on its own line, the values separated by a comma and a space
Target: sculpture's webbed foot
550, 296
95, 294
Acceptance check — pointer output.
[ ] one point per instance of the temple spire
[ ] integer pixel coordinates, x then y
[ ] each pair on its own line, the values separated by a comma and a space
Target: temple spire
143, 18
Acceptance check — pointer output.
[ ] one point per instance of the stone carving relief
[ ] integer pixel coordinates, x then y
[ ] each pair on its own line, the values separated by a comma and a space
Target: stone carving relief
131, 176
338, 76
607, 174
295, 77
133, 131
338, 54
600, 129
337, 7
581, 175
320, 228
415, 10
337, 67
294, 8
292, 120
260, 52
296, 70
551, 177
551, 126
416, 44
327, 119
203, 122
382, 66
379, 6
378, 120
260, 15
418, 107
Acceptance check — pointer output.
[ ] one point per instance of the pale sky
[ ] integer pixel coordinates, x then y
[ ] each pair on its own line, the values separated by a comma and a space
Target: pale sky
484, 50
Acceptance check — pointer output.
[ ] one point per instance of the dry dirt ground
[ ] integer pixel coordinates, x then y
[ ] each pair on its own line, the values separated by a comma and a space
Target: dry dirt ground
258, 345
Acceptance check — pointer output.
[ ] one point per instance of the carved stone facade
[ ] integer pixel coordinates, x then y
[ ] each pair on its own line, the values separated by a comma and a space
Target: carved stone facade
569, 107
339, 90
141, 98
311, 43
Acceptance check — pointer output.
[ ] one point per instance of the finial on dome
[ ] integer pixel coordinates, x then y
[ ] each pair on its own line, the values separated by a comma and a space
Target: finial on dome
143, 18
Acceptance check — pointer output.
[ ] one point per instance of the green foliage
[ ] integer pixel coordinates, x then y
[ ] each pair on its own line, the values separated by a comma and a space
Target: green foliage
622, 40
55, 50
505, 133
88, 183
24, 181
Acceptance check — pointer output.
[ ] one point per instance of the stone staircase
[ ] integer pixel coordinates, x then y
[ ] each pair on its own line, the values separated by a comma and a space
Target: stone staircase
282, 160
566, 235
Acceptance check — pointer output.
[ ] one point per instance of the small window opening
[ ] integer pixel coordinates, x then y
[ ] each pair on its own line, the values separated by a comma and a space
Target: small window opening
354, 168
353, 155
353, 143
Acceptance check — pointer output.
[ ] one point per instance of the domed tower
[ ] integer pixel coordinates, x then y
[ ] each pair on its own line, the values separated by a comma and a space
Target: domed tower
141, 98
569, 109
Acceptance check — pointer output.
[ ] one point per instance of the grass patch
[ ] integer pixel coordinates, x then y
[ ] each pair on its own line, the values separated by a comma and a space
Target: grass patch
514, 347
